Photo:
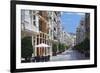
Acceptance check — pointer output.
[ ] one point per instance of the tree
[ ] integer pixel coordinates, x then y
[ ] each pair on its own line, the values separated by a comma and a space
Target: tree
60, 47
26, 48
63, 47
54, 48
83, 46
67, 47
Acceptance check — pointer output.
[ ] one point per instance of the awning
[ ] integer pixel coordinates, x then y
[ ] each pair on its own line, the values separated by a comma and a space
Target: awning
42, 45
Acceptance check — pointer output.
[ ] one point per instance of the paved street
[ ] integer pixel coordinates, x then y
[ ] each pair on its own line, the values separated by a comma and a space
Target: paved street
69, 55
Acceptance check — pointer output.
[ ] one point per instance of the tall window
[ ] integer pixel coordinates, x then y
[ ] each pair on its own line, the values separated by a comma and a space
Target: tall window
54, 29
34, 23
34, 20
34, 17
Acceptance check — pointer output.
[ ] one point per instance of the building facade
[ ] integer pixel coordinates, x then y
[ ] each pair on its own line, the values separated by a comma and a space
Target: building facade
83, 30
44, 27
34, 25
41, 27
27, 23
87, 24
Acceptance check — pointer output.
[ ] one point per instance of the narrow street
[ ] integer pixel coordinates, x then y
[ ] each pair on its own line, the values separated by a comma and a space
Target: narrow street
68, 55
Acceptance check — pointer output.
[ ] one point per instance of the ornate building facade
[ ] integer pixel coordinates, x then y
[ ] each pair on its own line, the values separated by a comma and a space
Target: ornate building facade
41, 27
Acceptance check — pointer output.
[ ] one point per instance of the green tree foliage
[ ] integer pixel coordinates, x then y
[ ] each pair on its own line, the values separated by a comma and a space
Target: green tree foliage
85, 45
66, 47
54, 47
62, 47
26, 47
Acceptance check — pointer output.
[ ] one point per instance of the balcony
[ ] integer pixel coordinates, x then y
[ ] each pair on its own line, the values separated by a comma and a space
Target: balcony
28, 29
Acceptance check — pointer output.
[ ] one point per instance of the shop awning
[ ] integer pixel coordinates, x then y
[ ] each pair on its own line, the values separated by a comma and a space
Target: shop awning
42, 45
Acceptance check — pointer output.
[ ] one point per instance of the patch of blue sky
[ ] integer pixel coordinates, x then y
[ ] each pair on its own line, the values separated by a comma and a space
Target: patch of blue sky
70, 20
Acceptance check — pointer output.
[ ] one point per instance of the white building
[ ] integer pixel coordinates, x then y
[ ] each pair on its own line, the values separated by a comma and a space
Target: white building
29, 23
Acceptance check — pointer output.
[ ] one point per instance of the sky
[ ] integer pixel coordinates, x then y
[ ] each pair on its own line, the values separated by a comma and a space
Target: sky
70, 21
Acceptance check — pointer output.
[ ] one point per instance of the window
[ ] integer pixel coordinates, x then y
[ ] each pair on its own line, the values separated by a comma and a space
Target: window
54, 28
34, 23
34, 17
54, 20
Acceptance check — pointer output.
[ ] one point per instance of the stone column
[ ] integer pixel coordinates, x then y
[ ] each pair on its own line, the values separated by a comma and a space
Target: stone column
35, 49
33, 46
